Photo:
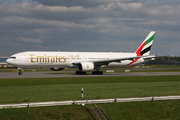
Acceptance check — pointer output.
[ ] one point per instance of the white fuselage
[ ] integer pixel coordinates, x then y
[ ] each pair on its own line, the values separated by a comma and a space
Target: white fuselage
35, 59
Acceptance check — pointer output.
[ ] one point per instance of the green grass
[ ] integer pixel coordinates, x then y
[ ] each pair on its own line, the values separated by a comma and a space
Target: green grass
72, 112
55, 89
52, 89
152, 110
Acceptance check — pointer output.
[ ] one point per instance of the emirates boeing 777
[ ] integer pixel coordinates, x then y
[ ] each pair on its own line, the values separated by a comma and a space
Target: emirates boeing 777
84, 61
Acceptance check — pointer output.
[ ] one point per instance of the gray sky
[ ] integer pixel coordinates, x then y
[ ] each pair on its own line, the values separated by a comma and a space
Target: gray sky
88, 25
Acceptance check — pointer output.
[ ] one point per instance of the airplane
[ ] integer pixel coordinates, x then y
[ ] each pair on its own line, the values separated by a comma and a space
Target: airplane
84, 61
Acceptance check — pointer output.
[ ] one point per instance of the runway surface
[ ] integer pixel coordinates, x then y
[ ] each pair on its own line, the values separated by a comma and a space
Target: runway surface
54, 74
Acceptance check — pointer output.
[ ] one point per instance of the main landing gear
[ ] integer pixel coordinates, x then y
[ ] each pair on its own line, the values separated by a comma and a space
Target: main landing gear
93, 72
97, 72
20, 71
80, 73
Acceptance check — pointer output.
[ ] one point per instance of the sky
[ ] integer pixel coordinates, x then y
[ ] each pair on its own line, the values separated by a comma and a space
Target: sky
88, 25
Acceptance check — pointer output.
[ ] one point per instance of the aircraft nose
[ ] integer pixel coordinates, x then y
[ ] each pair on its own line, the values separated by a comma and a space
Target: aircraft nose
8, 61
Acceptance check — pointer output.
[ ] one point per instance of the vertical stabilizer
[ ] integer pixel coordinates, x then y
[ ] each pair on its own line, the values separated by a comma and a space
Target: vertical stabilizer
145, 47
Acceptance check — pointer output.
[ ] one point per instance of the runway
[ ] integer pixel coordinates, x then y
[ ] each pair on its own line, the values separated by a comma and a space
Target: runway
62, 74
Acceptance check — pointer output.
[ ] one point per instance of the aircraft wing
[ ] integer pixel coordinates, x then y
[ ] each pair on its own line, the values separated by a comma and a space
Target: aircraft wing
107, 61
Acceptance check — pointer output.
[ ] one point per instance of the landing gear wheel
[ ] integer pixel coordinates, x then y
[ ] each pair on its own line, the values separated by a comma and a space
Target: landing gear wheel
97, 72
20, 73
80, 73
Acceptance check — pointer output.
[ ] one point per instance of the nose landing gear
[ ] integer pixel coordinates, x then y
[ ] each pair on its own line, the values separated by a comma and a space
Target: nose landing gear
20, 71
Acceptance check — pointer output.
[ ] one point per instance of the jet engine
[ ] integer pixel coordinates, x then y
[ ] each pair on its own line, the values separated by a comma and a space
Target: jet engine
86, 66
56, 69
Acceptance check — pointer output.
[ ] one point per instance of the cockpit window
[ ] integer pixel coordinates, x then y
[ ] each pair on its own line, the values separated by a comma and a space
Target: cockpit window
13, 57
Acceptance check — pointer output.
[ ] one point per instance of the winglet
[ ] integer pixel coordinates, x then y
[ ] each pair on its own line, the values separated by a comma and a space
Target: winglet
145, 47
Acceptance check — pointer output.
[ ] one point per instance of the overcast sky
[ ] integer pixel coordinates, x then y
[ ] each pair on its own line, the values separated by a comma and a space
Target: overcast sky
88, 25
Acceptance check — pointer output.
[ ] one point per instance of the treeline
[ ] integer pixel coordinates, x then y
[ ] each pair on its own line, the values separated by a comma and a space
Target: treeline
165, 60
169, 58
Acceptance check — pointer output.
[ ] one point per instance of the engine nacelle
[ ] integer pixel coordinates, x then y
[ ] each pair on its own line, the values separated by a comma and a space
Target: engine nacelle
153, 58
86, 66
56, 69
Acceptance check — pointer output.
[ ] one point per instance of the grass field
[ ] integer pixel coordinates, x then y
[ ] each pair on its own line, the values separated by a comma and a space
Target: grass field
72, 112
55, 89
152, 110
